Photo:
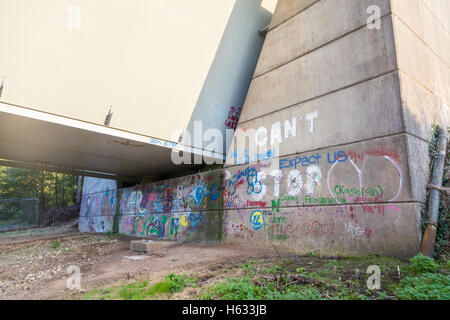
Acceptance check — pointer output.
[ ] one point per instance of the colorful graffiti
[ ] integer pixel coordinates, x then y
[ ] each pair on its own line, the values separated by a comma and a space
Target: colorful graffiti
173, 210
97, 207
318, 197
257, 220
343, 194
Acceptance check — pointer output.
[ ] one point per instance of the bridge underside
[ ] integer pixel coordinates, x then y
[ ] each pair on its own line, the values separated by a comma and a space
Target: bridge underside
37, 140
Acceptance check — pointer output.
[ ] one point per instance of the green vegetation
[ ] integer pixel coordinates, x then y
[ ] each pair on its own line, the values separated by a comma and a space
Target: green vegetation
53, 190
423, 282
140, 290
312, 277
173, 283
248, 289
315, 253
56, 244
301, 278
428, 286
421, 264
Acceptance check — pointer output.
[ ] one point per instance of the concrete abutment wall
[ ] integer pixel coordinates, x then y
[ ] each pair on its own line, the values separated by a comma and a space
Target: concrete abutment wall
342, 112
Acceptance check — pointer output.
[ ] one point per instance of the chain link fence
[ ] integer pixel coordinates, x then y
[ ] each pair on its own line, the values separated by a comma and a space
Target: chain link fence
18, 213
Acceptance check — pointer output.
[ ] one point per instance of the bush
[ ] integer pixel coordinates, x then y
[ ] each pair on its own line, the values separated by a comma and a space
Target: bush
58, 215
422, 264
428, 286
177, 283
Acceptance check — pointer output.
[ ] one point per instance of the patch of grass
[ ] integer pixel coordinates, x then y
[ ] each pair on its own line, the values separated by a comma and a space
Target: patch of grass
173, 283
140, 290
296, 293
235, 289
315, 253
102, 294
300, 270
134, 291
246, 289
56, 244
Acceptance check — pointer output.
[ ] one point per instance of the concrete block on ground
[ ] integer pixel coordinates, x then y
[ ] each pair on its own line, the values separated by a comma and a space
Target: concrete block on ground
136, 258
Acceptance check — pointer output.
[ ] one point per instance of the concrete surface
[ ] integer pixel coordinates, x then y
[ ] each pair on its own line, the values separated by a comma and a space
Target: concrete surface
148, 246
310, 29
422, 42
367, 110
357, 57
287, 9
389, 229
226, 84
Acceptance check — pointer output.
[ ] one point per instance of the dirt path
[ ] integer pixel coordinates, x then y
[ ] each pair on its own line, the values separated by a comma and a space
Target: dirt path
36, 268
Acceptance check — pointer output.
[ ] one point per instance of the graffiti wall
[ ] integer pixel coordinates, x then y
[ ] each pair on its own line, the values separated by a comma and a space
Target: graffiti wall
341, 200
98, 205
182, 209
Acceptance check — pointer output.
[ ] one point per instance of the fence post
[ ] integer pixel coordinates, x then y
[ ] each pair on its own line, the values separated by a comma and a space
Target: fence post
116, 219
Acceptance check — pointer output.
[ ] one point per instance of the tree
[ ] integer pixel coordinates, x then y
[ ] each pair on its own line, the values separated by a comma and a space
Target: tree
50, 188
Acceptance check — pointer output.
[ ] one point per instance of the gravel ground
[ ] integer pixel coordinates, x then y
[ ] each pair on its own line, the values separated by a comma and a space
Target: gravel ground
34, 263
25, 266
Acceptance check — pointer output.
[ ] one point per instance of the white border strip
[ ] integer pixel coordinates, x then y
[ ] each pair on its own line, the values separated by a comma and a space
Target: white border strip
78, 124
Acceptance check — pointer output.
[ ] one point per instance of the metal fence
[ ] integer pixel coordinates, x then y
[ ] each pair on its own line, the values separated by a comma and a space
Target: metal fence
18, 213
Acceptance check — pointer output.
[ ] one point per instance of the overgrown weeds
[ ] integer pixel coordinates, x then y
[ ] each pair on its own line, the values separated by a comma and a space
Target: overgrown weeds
342, 278
302, 278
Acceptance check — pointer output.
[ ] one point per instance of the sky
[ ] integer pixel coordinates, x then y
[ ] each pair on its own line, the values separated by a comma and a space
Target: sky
146, 58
